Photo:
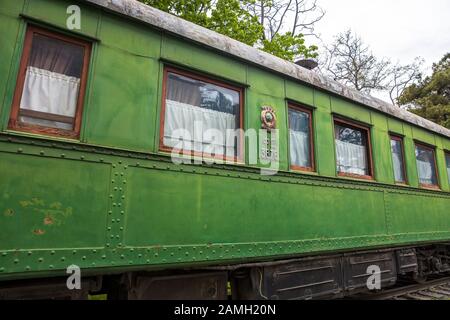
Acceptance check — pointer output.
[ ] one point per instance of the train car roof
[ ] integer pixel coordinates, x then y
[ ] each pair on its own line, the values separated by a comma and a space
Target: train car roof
192, 32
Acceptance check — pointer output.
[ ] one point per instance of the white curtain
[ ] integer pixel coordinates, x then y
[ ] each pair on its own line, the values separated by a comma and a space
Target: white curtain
195, 121
448, 174
351, 158
398, 167
447, 159
49, 92
425, 172
299, 148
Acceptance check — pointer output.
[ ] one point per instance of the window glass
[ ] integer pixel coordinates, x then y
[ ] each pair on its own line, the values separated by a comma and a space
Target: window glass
447, 160
201, 116
397, 158
300, 138
52, 83
426, 165
351, 150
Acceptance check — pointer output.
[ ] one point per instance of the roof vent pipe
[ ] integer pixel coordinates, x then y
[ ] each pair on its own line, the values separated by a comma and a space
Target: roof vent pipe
309, 64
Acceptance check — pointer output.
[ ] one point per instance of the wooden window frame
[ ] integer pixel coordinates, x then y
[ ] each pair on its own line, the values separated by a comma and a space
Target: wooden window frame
312, 168
360, 127
433, 149
14, 123
196, 76
402, 145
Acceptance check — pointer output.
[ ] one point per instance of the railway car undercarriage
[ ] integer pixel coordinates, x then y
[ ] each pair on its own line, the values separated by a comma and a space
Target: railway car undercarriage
315, 277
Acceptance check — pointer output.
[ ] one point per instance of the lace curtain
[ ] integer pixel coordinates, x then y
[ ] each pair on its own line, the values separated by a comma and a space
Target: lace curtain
447, 158
425, 172
398, 167
194, 122
299, 149
351, 158
52, 81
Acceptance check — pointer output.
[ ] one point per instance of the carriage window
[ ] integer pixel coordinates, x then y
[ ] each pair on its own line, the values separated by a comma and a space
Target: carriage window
447, 160
51, 83
398, 159
301, 153
201, 116
353, 155
426, 166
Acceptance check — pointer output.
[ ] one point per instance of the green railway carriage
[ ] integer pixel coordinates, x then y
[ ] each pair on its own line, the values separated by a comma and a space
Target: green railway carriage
87, 177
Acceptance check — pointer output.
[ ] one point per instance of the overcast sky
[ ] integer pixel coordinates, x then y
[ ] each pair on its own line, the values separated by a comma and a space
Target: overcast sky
398, 29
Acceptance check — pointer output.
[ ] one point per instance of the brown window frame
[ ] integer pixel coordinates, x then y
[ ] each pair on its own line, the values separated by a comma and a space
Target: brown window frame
393, 136
194, 75
14, 123
433, 149
366, 129
295, 106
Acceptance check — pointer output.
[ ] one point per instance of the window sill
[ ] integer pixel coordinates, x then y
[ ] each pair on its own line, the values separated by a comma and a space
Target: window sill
430, 187
200, 159
302, 170
42, 136
355, 176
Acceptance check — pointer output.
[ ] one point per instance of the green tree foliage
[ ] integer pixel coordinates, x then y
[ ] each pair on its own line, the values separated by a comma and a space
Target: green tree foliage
235, 19
224, 16
430, 98
288, 46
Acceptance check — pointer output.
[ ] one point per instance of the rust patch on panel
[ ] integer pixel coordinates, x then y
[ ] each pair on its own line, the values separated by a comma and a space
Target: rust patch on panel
38, 232
8, 213
48, 220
